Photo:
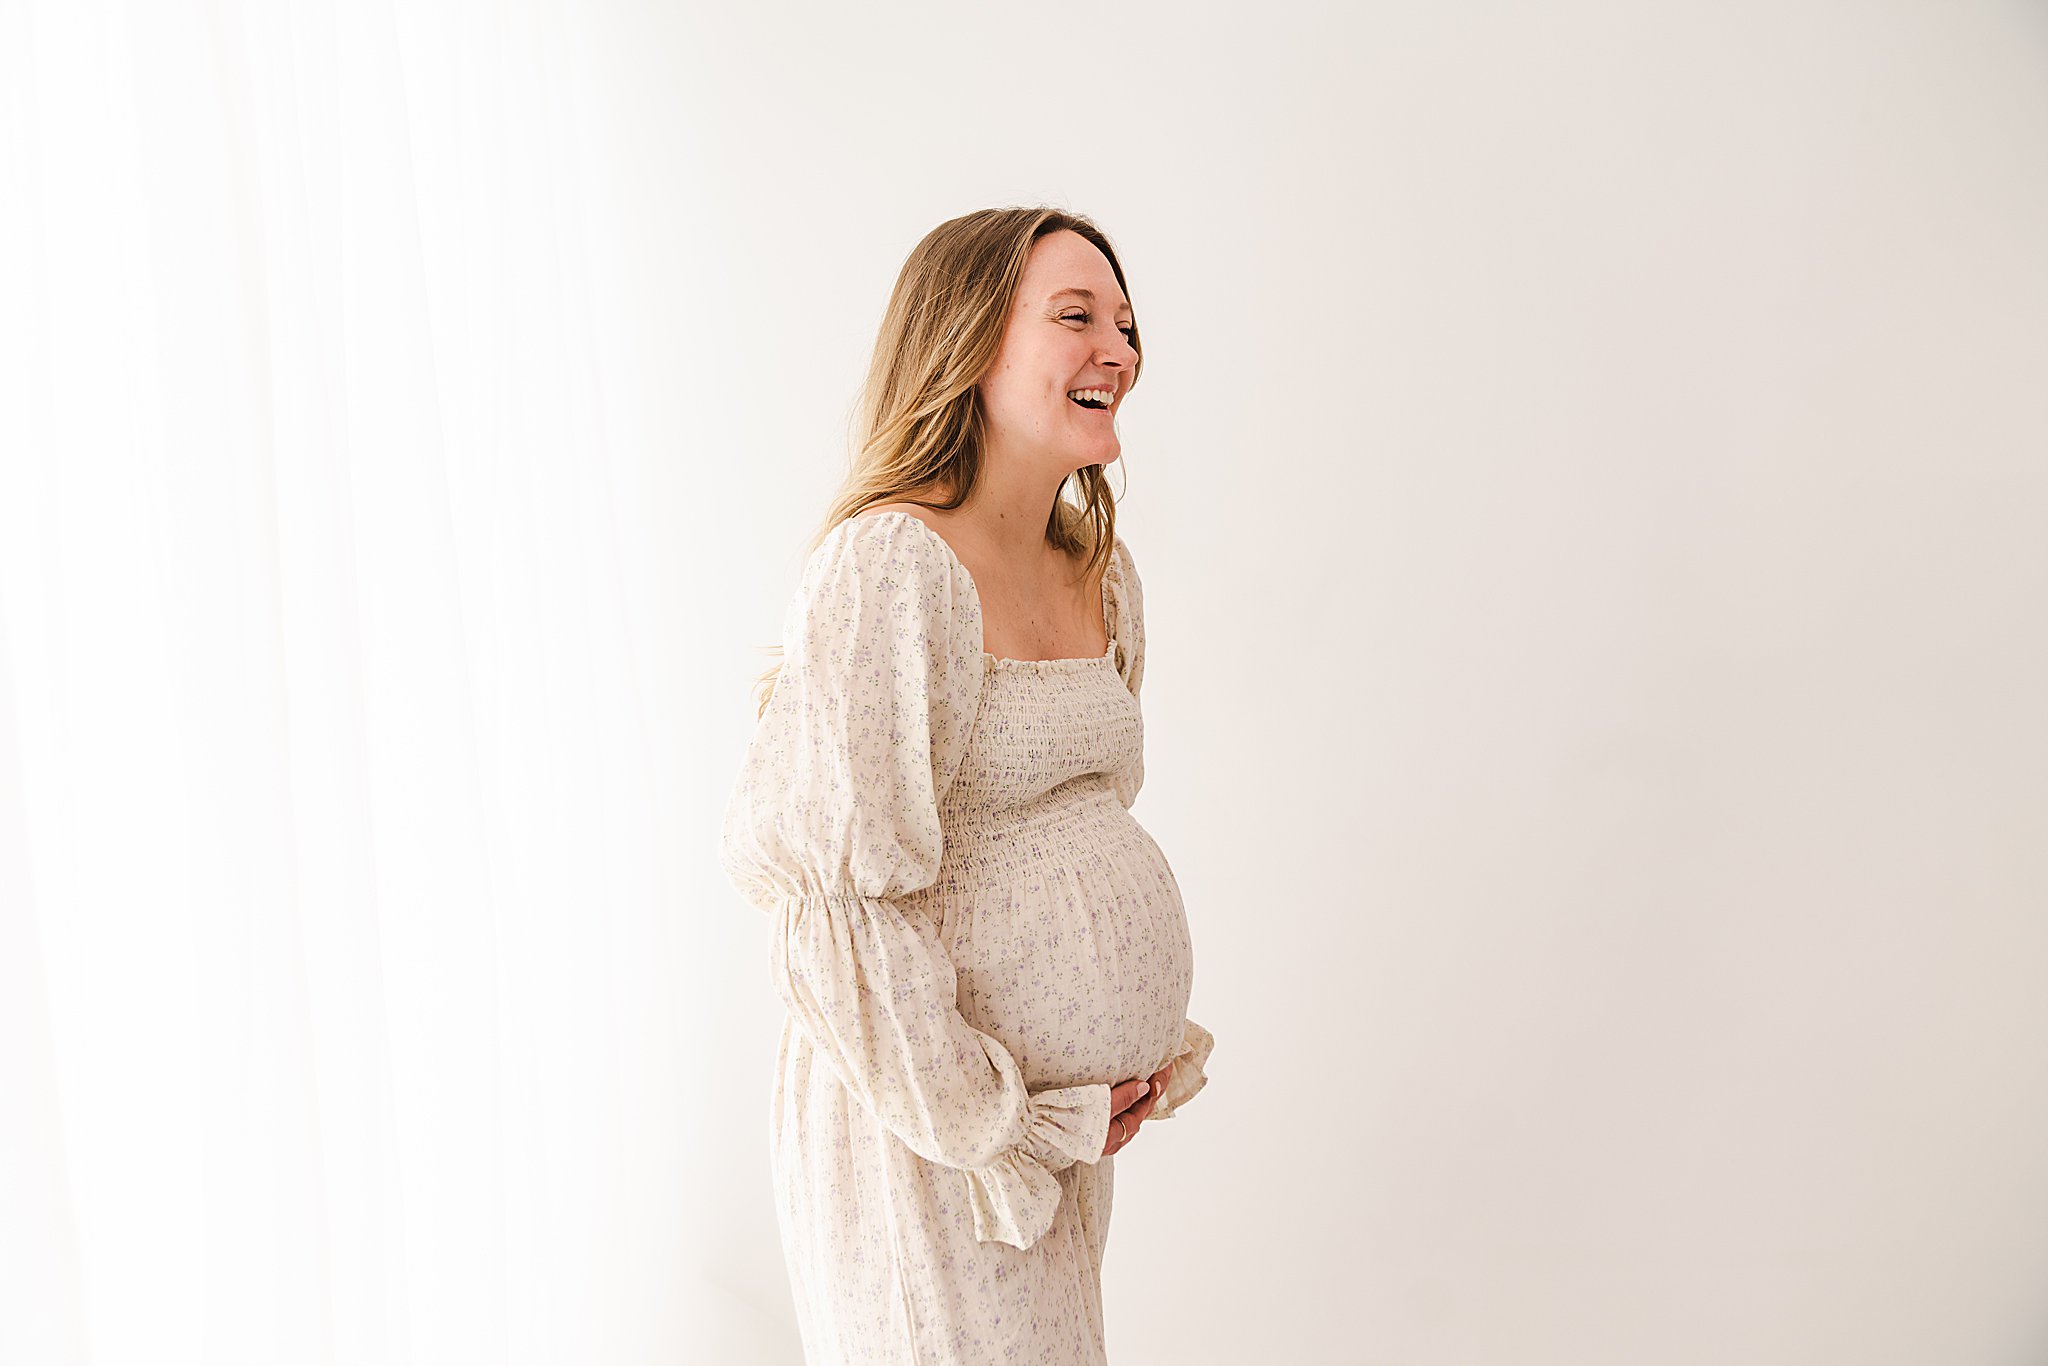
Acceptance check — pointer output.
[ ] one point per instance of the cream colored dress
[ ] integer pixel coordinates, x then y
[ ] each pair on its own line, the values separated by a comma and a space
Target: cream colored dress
974, 939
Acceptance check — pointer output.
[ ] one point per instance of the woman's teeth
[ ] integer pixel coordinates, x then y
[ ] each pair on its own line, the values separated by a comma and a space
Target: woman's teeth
1092, 398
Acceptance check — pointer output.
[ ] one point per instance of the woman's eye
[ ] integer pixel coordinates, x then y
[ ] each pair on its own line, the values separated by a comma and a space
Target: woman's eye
1083, 317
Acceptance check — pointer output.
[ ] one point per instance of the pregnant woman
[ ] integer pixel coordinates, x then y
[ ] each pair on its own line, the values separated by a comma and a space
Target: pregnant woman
983, 954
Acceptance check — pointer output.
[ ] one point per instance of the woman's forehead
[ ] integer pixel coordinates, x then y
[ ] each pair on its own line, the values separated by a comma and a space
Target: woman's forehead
1065, 262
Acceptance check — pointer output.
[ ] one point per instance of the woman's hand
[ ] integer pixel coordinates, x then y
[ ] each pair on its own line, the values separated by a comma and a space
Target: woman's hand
1129, 1103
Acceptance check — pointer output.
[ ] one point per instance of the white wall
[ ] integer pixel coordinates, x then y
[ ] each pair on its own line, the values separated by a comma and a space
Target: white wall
1596, 701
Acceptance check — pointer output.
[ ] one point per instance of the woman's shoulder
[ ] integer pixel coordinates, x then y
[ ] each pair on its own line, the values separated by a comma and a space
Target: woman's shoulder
889, 531
941, 546
886, 569
928, 515
884, 520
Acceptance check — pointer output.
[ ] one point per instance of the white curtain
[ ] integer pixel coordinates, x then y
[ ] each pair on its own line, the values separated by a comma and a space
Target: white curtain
334, 955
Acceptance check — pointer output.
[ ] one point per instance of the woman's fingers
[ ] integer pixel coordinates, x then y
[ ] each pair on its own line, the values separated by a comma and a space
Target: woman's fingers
1130, 1103
1124, 1097
1125, 1094
1158, 1084
1143, 1108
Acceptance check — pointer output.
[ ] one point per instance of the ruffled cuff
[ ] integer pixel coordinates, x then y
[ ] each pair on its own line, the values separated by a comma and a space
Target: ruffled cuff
1014, 1199
1187, 1077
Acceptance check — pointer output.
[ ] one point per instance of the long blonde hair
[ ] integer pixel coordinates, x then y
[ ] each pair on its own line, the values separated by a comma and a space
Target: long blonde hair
918, 423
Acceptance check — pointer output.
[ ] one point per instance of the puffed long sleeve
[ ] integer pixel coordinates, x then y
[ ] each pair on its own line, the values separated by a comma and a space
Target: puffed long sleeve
834, 820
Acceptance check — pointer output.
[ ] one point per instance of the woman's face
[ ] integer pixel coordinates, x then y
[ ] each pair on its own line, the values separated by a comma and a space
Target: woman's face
1058, 341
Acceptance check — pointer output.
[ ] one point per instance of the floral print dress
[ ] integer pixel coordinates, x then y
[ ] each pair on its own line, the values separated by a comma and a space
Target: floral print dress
974, 939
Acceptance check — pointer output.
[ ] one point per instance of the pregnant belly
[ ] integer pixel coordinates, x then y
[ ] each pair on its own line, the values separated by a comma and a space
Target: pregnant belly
1070, 943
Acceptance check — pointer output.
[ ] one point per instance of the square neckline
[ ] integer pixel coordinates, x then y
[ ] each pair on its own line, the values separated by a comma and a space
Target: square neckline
1108, 624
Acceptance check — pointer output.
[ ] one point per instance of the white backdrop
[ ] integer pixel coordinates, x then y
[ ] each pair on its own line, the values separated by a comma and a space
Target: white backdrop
1589, 481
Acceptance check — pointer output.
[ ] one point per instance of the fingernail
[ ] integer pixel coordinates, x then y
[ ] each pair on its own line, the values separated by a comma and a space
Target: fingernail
1144, 1088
